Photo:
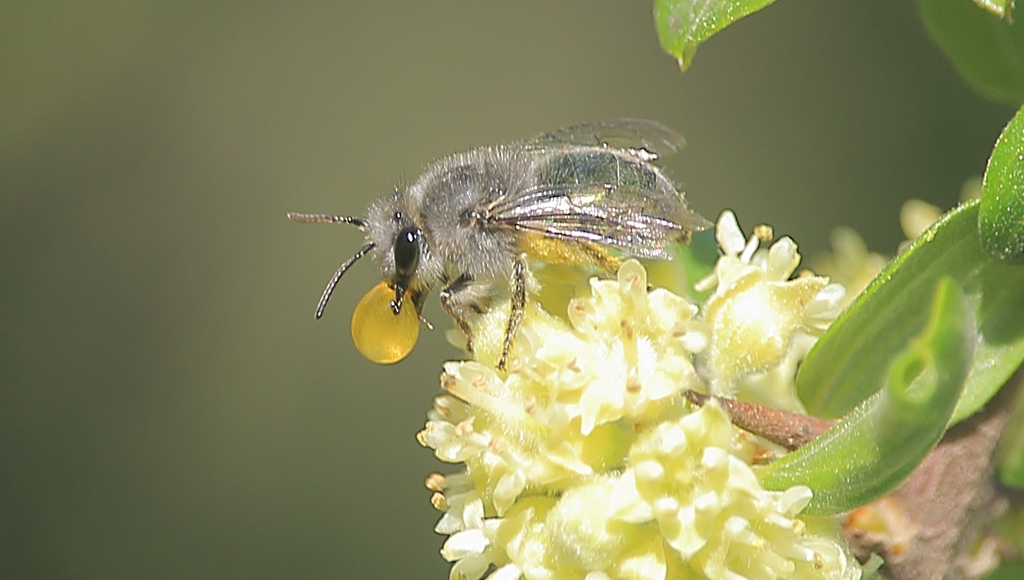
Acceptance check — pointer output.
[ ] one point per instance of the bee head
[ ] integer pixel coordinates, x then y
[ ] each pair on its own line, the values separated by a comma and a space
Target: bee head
382, 331
401, 249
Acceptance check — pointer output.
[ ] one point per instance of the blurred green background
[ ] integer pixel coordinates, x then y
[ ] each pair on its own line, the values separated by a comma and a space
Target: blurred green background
169, 408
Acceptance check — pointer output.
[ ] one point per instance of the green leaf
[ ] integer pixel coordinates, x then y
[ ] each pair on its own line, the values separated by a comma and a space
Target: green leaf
1013, 570
871, 449
987, 52
1001, 218
844, 367
683, 24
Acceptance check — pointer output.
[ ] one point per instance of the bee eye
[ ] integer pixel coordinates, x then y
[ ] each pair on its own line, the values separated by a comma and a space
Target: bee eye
407, 252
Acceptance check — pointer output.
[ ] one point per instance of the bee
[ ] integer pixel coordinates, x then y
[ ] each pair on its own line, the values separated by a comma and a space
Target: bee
471, 220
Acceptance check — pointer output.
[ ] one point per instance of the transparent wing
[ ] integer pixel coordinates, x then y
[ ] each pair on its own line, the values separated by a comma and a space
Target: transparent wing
646, 140
642, 217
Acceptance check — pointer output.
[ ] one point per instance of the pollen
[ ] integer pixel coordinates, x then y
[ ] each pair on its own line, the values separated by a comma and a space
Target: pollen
379, 334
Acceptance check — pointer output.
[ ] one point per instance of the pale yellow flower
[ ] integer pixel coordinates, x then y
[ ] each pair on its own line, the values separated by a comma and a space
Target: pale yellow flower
762, 323
850, 263
584, 462
712, 510
916, 216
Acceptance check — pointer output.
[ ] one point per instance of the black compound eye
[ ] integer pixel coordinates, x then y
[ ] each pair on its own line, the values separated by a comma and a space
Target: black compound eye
407, 252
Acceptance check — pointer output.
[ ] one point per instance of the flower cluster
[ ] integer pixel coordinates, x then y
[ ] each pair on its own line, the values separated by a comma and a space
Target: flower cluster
852, 265
762, 322
584, 462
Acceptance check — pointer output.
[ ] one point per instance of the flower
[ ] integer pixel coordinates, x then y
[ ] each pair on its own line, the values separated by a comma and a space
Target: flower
916, 216
583, 461
850, 263
762, 322
711, 509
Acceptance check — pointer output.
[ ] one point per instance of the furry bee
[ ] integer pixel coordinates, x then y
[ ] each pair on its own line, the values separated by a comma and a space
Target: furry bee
471, 220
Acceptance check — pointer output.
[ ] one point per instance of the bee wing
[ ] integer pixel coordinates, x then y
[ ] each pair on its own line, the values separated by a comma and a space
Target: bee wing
645, 139
628, 217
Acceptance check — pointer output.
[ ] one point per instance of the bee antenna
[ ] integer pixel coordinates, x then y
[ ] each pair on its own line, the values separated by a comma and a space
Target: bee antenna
337, 275
314, 218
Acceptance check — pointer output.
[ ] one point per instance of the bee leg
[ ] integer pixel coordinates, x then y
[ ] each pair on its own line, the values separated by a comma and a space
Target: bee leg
419, 298
462, 298
517, 289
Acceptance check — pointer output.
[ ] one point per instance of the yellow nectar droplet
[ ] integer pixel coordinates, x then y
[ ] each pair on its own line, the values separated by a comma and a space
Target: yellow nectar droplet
380, 335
